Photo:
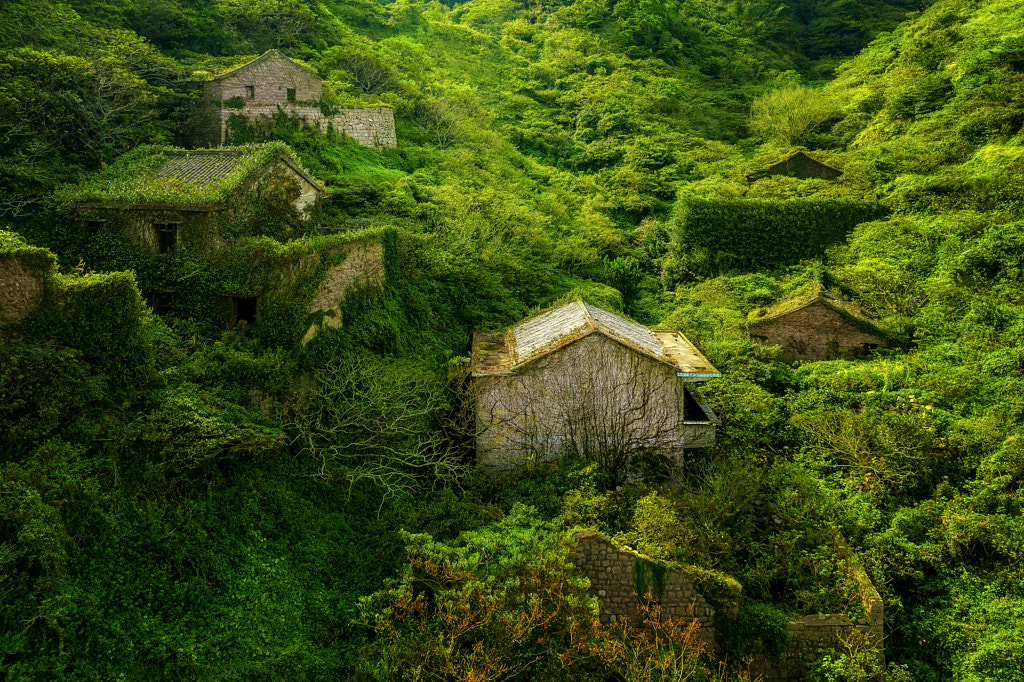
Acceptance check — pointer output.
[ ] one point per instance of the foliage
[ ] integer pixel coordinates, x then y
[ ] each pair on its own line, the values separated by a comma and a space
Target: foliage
499, 603
754, 233
135, 177
366, 419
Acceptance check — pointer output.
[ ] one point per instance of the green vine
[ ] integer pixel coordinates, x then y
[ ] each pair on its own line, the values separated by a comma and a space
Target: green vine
749, 234
648, 578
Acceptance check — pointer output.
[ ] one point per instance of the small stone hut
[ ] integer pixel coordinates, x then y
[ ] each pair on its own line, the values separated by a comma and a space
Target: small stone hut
798, 165
161, 198
271, 84
162, 208
816, 326
578, 380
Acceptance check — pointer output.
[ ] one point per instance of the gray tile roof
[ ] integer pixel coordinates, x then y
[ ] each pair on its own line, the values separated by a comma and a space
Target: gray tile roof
550, 328
626, 330
498, 353
542, 331
201, 166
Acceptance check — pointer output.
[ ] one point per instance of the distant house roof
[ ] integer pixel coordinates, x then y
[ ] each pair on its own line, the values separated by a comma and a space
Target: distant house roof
166, 175
265, 57
498, 353
798, 165
816, 294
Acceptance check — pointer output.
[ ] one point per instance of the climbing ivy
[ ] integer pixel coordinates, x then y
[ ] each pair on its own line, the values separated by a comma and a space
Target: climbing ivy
747, 234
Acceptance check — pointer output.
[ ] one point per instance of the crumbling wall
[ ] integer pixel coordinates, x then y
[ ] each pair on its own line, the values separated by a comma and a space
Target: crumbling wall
22, 286
363, 267
614, 581
810, 636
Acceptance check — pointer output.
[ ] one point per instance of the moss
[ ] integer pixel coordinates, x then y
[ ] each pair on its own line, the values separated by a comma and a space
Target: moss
133, 178
13, 245
844, 309
648, 578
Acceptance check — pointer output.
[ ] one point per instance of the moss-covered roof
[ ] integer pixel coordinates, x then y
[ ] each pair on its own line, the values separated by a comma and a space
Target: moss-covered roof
249, 62
817, 292
168, 175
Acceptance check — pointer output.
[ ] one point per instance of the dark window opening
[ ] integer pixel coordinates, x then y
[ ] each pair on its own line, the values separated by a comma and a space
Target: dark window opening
692, 411
167, 235
159, 301
869, 348
243, 309
92, 227
291, 94
250, 91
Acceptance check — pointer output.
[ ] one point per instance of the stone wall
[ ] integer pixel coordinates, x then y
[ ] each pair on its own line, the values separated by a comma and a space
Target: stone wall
611, 571
270, 78
813, 332
810, 636
22, 287
372, 127
586, 395
363, 267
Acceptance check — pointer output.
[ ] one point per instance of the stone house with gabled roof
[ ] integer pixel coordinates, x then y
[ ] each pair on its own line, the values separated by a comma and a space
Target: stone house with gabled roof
798, 165
273, 84
577, 380
816, 325
214, 208
161, 198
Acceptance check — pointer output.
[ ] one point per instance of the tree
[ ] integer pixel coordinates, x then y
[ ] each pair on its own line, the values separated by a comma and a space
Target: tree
366, 419
786, 114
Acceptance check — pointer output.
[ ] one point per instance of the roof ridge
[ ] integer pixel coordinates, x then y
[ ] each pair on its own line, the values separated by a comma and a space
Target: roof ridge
263, 57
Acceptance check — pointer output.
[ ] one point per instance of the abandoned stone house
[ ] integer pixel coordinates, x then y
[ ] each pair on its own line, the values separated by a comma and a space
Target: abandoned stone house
816, 326
160, 199
577, 379
273, 83
165, 204
798, 165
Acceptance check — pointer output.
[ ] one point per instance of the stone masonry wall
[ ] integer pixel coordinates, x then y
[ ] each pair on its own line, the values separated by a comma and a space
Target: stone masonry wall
363, 266
373, 127
811, 635
270, 81
21, 290
813, 332
611, 572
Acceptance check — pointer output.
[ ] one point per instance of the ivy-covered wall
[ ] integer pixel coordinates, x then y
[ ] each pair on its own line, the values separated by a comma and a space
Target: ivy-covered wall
623, 580
748, 234
100, 316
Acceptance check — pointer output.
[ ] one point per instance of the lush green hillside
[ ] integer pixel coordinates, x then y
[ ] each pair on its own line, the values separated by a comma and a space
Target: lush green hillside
174, 505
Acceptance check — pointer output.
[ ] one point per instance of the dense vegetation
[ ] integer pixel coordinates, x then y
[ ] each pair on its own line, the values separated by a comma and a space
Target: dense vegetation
173, 505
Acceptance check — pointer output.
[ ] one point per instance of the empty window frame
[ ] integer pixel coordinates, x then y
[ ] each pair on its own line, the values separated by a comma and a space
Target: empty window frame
167, 236
291, 94
869, 349
159, 301
242, 309
250, 91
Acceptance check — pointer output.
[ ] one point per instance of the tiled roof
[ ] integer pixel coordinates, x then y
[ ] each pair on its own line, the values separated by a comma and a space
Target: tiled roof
201, 166
166, 175
541, 331
537, 336
625, 330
